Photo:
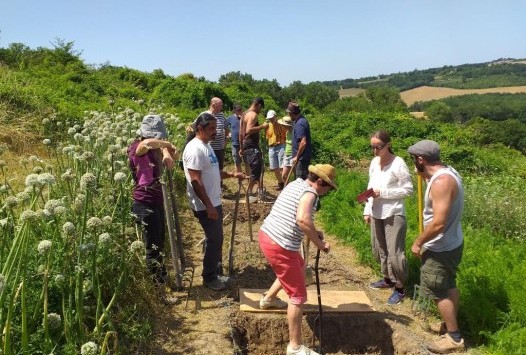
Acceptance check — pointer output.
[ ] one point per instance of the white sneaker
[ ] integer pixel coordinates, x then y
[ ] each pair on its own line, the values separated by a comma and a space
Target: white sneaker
303, 350
275, 303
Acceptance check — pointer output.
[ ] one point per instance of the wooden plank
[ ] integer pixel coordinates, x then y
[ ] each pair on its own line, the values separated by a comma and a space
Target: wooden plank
332, 301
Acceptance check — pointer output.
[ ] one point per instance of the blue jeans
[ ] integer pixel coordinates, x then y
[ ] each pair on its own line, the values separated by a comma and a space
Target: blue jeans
275, 156
150, 220
235, 154
212, 265
302, 169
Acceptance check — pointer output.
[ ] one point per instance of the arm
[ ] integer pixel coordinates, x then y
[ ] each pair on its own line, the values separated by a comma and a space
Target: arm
404, 187
301, 148
443, 192
241, 134
368, 209
227, 132
251, 121
153, 143
226, 175
305, 221
200, 191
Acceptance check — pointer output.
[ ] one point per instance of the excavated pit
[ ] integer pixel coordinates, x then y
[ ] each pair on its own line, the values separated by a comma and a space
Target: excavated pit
343, 333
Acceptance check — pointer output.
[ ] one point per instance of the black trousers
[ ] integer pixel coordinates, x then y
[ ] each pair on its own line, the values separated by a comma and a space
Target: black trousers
151, 221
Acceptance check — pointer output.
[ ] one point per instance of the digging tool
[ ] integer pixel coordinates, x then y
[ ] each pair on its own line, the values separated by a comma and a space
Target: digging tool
420, 205
247, 200
234, 223
320, 308
290, 172
173, 244
183, 271
308, 269
178, 232
262, 190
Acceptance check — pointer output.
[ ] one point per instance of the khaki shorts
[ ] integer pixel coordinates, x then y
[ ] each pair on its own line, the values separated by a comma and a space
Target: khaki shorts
439, 272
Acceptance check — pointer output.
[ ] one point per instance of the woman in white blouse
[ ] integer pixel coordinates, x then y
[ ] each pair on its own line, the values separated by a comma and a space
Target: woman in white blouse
391, 182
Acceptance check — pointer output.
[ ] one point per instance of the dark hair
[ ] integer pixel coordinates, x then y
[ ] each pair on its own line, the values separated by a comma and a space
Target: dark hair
237, 107
203, 120
384, 137
258, 101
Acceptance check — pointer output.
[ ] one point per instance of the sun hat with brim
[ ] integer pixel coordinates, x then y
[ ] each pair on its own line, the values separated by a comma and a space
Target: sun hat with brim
152, 126
425, 148
285, 121
326, 172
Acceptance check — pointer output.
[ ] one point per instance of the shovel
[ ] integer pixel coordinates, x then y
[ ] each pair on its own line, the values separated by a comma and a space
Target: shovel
320, 308
234, 223
309, 280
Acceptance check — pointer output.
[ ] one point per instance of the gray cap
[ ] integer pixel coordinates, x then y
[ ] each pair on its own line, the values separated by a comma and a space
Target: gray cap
425, 148
152, 126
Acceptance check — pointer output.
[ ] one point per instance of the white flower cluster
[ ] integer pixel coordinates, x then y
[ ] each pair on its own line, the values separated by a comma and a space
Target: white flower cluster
119, 177
137, 246
55, 207
88, 181
28, 216
11, 201
54, 321
44, 246
94, 223
68, 229
104, 238
89, 348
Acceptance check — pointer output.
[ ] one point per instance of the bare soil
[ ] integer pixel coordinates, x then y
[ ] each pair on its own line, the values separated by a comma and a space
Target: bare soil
209, 322
428, 93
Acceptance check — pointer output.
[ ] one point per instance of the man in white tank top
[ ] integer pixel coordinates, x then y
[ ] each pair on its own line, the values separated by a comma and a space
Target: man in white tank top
440, 243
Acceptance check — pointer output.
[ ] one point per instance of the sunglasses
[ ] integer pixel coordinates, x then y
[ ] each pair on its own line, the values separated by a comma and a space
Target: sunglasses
377, 147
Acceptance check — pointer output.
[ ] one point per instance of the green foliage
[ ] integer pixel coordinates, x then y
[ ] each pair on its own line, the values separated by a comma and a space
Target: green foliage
493, 200
189, 92
492, 285
494, 107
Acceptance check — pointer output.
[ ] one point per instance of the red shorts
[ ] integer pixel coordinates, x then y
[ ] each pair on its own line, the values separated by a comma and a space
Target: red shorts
288, 266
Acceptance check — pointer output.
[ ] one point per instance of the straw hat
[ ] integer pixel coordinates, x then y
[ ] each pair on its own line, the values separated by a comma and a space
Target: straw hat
326, 172
285, 121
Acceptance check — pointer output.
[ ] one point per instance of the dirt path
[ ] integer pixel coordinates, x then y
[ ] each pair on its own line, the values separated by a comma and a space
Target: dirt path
205, 327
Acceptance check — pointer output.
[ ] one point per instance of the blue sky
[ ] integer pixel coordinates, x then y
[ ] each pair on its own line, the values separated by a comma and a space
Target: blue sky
304, 40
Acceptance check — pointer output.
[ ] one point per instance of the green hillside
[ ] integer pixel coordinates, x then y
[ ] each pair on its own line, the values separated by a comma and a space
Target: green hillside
501, 72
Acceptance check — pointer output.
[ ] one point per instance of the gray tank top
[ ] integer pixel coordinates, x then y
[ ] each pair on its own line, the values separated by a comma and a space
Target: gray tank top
452, 236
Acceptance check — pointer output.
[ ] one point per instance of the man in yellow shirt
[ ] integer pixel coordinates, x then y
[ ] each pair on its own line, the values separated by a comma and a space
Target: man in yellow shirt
276, 136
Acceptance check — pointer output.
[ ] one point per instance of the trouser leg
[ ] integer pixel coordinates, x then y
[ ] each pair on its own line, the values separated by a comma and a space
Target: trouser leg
380, 245
395, 233
213, 244
151, 221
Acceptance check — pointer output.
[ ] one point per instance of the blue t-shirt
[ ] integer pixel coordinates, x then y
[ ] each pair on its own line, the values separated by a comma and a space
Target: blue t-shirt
233, 124
301, 129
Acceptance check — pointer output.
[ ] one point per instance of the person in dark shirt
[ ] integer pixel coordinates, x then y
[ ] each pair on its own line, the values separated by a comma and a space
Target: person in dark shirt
147, 156
301, 141
233, 124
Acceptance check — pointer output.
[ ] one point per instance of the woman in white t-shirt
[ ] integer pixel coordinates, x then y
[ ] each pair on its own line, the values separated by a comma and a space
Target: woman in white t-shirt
391, 182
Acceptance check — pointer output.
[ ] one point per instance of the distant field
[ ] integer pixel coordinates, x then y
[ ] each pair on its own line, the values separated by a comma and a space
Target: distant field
428, 93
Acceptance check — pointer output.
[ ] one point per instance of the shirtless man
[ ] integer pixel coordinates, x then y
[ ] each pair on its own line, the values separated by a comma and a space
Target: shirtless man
249, 142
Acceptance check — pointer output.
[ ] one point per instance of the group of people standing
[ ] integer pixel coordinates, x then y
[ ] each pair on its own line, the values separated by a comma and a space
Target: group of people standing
288, 139
292, 215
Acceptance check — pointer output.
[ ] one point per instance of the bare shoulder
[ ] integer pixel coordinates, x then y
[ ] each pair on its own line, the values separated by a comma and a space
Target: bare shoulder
250, 116
444, 185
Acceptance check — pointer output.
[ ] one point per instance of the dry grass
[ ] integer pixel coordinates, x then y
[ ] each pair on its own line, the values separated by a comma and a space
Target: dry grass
428, 93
